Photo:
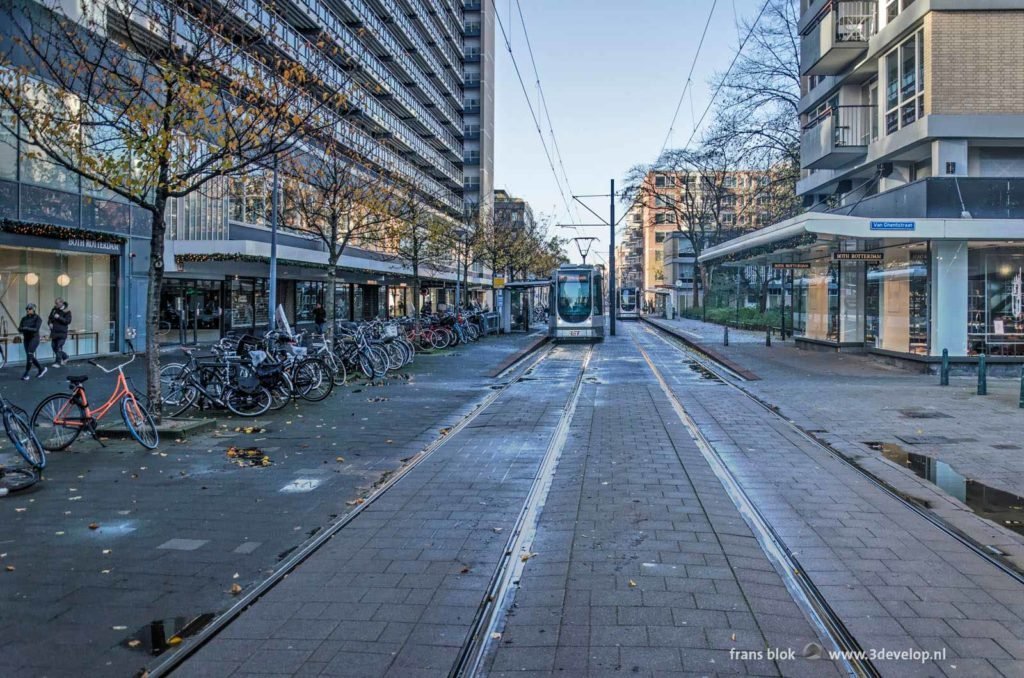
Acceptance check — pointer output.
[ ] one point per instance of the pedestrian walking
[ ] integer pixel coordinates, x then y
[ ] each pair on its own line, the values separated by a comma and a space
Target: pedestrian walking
319, 318
59, 321
29, 327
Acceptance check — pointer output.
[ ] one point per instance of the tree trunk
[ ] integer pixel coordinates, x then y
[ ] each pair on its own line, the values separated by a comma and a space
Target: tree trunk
331, 306
416, 298
156, 279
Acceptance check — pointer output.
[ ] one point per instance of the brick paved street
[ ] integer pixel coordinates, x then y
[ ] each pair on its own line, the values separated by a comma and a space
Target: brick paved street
641, 559
179, 526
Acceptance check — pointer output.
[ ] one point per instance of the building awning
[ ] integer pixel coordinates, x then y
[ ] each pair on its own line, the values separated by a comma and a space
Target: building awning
816, 233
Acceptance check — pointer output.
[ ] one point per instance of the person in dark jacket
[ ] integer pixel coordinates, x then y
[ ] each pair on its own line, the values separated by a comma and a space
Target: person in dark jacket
319, 318
29, 328
59, 322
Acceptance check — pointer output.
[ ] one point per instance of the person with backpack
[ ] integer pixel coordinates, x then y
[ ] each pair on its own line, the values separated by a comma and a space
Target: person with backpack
59, 322
29, 327
319, 318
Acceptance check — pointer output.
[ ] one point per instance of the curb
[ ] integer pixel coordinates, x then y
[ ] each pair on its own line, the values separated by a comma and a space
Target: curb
703, 348
516, 357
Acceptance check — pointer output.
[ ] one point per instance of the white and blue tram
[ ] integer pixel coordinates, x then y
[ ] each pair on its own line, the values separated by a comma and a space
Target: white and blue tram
576, 304
628, 303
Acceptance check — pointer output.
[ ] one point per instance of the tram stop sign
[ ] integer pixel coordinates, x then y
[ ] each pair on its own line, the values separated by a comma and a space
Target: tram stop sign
499, 283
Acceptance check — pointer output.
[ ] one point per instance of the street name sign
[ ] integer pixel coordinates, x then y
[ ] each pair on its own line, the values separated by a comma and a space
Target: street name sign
892, 225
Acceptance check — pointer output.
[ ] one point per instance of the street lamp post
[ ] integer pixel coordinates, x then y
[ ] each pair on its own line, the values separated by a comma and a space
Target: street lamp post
272, 292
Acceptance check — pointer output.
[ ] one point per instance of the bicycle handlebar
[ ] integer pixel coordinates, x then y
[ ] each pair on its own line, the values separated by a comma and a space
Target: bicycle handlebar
116, 368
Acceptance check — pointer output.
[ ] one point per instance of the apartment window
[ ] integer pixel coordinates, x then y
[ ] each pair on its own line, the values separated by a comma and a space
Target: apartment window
664, 218
659, 237
894, 7
729, 182
472, 129
637, 219
904, 84
663, 201
729, 219
728, 200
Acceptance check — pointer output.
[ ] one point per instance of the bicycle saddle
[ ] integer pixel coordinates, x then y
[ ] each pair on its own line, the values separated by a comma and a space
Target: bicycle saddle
78, 379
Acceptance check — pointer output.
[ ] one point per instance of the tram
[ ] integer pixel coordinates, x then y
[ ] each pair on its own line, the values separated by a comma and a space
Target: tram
577, 304
628, 304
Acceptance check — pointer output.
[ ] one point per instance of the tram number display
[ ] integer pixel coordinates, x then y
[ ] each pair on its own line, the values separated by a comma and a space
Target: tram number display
583, 277
574, 333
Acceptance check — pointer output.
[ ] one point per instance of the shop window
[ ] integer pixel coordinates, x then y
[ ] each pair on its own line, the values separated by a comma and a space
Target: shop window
896, 302
307, 296
995, 300
8, 145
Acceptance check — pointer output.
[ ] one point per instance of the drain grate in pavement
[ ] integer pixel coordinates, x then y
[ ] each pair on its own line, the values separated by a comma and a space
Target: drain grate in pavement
935, 440
1005, 446
924, 414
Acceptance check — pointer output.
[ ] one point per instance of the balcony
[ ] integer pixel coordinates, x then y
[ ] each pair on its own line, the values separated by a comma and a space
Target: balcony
838, 37
472, 57
946, 198
836, 138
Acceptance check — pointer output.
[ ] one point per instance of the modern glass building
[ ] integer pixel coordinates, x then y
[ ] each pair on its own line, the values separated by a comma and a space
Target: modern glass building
914, 134
404, 65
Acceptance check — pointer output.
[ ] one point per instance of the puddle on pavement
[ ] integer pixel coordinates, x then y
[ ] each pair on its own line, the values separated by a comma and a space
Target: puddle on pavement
704, 372
1000, 507
161, 635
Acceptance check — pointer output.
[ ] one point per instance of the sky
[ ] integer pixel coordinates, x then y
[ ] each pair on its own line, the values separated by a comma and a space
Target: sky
612, 72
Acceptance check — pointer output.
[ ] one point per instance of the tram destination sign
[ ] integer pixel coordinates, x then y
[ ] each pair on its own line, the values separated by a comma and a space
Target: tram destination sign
791, 265
858, 256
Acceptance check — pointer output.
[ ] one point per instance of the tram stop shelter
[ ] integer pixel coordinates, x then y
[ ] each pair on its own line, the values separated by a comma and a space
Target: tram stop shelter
514, 300
904, 289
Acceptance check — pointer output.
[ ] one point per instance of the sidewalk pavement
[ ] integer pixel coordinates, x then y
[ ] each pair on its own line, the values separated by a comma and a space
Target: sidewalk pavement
849, 400
116, 538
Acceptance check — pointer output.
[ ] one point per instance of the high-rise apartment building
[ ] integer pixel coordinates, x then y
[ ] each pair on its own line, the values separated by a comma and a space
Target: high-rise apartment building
478, 113
913, 143
418, 78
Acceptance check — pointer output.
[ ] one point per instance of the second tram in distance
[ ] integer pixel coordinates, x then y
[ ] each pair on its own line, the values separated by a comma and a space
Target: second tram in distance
629, 303
576, 304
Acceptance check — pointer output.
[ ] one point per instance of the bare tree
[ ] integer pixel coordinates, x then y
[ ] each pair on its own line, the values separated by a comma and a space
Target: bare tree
152, 102
333, 196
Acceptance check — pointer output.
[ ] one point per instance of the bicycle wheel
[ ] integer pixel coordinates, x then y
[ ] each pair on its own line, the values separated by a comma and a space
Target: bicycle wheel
281, 393
396, 358
247, 402
55, 437
20, 432
139, 422
379, 361
312, 380
17, 479
366, 364
177, 392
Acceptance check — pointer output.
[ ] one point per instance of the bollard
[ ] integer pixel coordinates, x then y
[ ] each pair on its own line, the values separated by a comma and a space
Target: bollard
725, 340
768, 337
1021, 403
944, 374
982, 376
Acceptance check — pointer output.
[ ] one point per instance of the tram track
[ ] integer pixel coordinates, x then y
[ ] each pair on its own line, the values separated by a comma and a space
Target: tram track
174, 660
804, 590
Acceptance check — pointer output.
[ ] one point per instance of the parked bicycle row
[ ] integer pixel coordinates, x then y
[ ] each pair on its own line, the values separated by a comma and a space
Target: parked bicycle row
245, 375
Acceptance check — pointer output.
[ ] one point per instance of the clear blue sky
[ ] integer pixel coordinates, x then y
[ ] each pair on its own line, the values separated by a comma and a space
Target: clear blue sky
612, 72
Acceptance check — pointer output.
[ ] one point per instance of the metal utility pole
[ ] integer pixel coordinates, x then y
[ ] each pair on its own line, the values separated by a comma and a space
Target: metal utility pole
272, 292
611, 258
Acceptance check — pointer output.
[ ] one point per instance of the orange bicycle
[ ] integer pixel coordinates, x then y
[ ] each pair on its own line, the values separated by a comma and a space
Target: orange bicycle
61, 417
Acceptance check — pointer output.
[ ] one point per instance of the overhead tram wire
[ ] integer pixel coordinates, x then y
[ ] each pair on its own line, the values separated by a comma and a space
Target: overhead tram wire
544, 103
533, 113
732, 64
689, 78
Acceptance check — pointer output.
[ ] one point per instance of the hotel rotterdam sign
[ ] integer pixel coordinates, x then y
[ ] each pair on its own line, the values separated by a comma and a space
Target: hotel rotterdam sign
892, 225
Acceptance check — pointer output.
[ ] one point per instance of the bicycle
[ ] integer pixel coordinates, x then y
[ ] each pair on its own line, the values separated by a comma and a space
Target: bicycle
224, 382
60, 418
16, 424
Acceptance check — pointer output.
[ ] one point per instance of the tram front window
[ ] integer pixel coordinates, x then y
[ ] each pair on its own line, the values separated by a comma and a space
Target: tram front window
628, 300
574, 297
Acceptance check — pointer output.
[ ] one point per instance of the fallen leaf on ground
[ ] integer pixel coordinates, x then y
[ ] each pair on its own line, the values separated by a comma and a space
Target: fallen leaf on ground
356, 502
20, 510
526, 556
632, 584
446, 430
235, 589
464, 570
340, 460
495, 636
119, 628
174, 640
134, 643
9, 568
94, 526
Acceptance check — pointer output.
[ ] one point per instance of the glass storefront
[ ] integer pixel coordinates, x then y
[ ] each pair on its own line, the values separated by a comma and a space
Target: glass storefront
87, 282
995, 317
896, 302
307, 295
816, 301
191, 311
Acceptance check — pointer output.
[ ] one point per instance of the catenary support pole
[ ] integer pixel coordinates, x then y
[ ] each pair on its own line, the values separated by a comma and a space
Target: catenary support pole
272, 292
611, 259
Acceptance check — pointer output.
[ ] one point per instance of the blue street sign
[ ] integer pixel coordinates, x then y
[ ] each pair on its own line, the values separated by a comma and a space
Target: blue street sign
892, 225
